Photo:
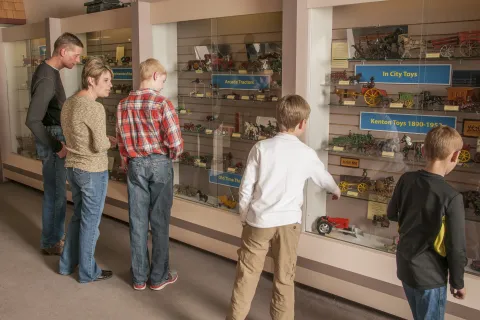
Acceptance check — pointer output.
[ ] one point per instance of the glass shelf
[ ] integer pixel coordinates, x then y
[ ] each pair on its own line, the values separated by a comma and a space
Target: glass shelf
204, 135
366, 108
232, 101
469, 167
400, 60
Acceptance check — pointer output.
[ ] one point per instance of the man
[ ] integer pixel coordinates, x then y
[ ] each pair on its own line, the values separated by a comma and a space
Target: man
43, 119
149, 138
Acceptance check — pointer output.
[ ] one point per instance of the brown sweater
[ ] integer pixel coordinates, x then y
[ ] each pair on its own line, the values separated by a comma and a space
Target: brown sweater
84, 127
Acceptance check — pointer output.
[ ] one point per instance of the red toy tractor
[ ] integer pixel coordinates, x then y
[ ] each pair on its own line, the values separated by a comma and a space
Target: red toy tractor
326, 224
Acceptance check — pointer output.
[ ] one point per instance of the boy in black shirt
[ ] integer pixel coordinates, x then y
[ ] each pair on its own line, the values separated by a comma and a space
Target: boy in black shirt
431, 219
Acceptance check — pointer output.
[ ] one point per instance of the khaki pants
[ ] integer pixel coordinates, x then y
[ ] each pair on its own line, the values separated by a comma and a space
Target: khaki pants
251, 259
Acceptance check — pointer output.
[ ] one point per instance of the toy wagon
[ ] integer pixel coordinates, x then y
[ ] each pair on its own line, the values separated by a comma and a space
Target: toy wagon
372, 95
406, 98
446, 45
361, 184
469, 43
462, 95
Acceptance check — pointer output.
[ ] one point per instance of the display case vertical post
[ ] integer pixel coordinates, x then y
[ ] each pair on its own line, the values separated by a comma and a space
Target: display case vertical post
165, 50
5, 145
142, 38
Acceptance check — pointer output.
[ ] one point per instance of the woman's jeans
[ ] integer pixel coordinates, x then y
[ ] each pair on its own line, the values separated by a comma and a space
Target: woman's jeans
150, 199
89, 190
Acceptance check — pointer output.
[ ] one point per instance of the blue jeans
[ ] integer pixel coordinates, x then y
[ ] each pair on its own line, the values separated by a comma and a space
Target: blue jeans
150, 199
89, 190
426, 304
54, 191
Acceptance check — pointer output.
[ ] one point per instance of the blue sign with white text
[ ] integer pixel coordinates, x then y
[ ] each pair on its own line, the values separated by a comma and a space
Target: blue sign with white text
437, 74
122, 73
225, 178
241, 81
405, 123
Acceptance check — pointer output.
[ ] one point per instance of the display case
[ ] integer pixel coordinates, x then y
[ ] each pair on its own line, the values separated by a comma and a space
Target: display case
384, 89
115, 47
229, 79
22, 58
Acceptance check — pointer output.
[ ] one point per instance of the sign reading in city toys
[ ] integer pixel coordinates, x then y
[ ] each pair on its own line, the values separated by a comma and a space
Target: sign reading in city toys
471, 128
225, 178
436, 74
241, 82
405, 123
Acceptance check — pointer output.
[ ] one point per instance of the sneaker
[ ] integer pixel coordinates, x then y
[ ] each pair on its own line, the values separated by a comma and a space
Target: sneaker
105, 275
140, 286
56, 250
172, 278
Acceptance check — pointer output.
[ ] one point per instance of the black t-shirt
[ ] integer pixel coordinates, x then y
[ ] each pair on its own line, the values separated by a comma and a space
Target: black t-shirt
47, 98
420, 202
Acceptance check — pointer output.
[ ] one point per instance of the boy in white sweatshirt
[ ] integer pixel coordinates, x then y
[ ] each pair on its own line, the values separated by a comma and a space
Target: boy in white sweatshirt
271, 198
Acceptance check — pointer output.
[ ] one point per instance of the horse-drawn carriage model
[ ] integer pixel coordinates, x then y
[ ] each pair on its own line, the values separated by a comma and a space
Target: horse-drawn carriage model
379, 46
383, 187
468, 42
464, 97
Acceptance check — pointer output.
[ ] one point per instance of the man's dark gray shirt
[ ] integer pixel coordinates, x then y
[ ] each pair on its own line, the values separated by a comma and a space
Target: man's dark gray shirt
47, 98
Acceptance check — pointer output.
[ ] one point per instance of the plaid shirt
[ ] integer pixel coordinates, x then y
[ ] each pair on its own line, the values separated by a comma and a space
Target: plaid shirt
148, 124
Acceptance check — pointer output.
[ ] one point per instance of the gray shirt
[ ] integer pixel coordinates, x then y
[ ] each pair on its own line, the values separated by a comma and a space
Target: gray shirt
47, 98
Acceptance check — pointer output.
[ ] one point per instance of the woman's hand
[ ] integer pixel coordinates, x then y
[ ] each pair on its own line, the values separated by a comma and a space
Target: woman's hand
113, 141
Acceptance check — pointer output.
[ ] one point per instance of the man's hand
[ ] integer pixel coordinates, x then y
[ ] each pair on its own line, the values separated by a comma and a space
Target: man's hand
62, 153
337, 194
458, 293
113, 141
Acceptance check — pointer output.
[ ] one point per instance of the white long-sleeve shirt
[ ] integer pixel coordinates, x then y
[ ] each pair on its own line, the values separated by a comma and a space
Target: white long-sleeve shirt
271, 192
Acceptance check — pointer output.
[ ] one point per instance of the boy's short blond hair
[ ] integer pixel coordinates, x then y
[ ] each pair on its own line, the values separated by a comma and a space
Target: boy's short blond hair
94, 68
291, 110
149, 67
440, 142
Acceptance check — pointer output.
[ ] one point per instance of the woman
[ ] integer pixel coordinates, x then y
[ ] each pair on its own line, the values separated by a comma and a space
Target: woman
84, 123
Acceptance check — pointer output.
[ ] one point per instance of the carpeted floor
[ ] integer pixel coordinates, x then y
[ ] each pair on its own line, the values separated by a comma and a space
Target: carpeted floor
31, 288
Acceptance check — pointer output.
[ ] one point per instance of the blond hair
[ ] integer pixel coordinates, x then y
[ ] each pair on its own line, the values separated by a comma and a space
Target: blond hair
94, 68
149, 67
440, 142
291, 110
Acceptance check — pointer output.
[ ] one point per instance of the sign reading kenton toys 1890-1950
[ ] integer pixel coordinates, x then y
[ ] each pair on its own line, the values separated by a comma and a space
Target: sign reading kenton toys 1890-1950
405, 123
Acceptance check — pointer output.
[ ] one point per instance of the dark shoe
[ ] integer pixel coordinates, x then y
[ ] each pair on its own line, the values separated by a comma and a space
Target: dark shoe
56, 250
106, 274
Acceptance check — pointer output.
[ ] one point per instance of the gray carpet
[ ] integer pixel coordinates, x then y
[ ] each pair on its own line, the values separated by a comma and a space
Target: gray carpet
30, 287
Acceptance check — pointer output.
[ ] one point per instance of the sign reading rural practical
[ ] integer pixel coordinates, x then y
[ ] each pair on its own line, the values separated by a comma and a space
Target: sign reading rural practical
405, 123
241, 81
471, 128
437, 74
122, 73
225, 178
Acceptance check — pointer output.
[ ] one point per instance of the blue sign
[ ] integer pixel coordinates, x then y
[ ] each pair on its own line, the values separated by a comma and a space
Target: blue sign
405, 123
225, 179
437, 74
42, 50
241, 81
122, 73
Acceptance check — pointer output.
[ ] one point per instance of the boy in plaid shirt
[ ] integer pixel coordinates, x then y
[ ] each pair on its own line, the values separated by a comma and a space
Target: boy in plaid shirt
149, 138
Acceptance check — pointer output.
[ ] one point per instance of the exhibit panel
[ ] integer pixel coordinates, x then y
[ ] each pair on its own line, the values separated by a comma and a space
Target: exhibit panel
21, 60
384, 88
229, 80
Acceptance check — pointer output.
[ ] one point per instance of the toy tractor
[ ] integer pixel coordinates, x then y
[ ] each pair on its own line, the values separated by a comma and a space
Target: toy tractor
326, 224
227, 202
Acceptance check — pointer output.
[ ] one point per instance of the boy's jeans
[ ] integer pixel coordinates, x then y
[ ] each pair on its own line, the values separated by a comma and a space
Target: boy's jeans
89, 190
54, 195
251, 259
426, 304
150, 199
